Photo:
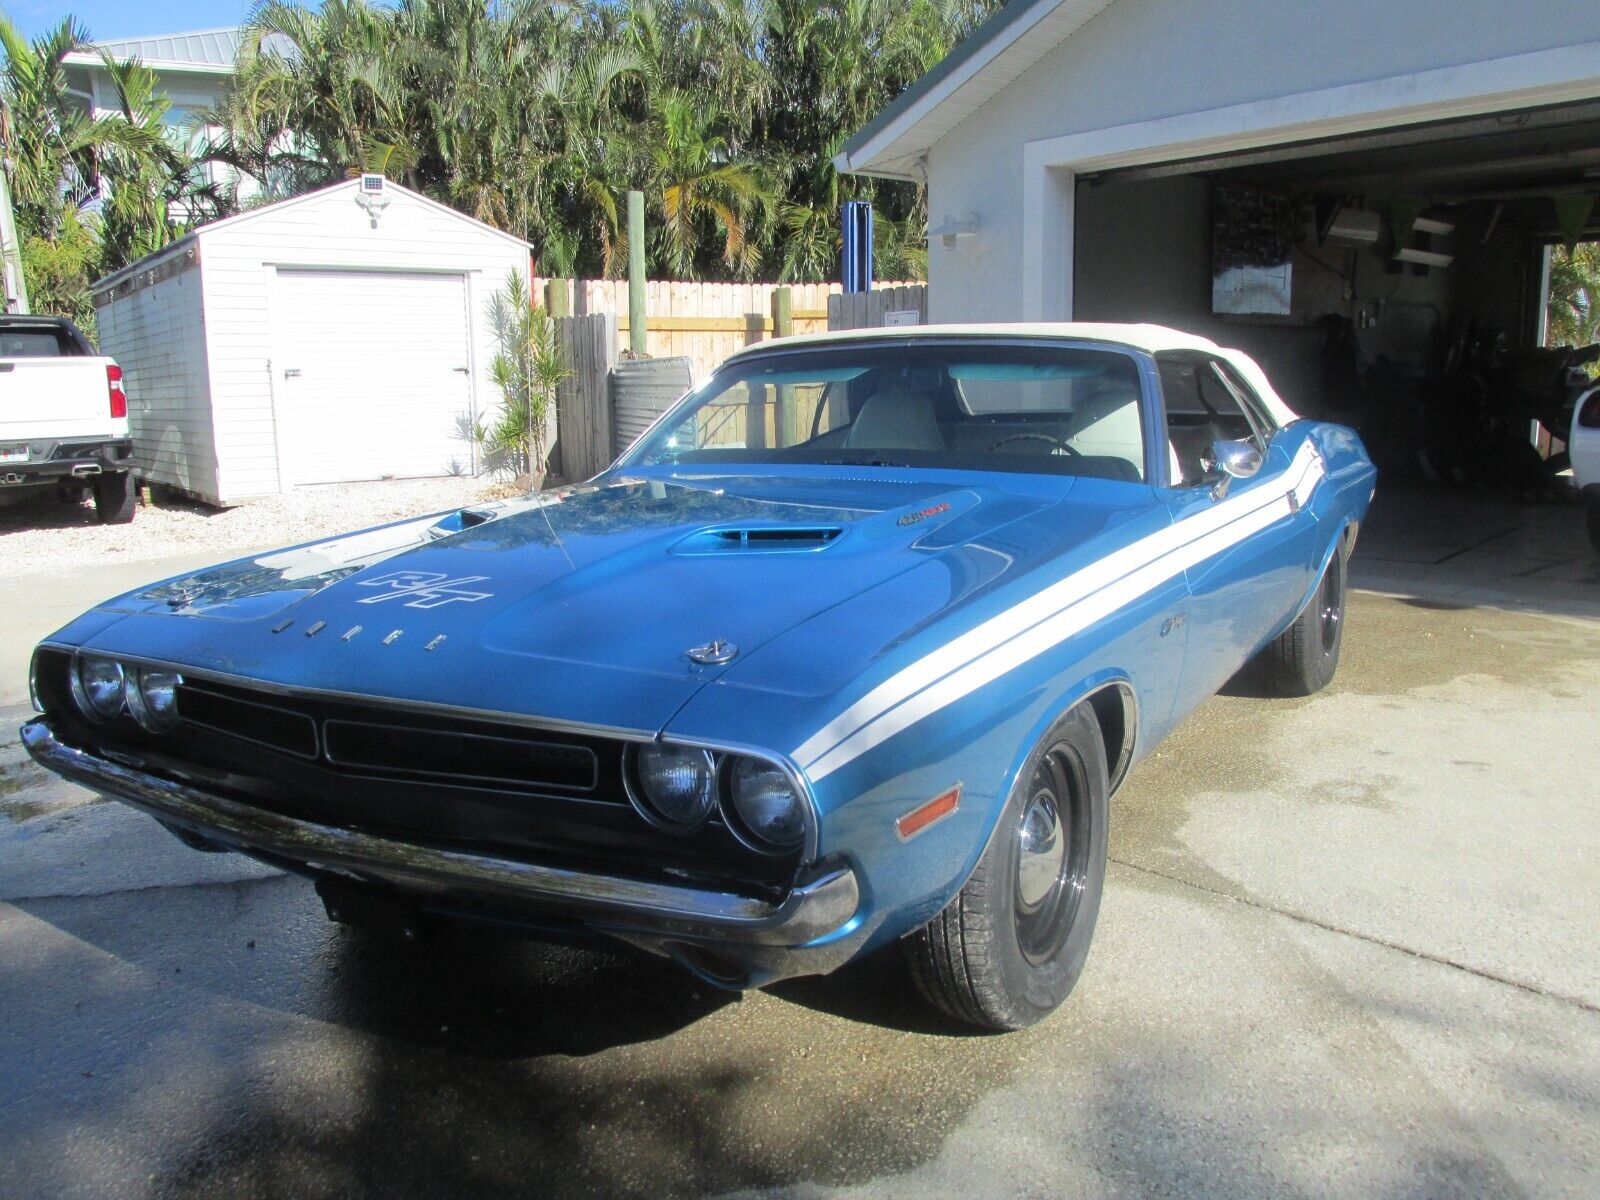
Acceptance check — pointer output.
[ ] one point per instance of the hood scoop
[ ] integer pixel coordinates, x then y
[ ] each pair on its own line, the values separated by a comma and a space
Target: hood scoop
768, 538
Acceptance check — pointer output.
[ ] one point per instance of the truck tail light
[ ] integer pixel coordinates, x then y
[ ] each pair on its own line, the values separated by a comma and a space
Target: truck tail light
116, 392
1589, 414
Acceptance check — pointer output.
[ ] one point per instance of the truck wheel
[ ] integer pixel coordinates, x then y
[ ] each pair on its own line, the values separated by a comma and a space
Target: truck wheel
115, 498
1303, 658
1009, 948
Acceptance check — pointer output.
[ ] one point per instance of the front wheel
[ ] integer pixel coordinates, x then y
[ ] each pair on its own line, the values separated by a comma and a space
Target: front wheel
1009, 948
1303, 658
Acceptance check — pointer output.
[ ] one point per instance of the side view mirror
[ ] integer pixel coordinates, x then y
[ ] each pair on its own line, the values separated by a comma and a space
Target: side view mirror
1227, 461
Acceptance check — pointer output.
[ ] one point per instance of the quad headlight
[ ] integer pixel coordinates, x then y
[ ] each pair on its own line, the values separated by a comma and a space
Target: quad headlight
679, 788
152, 696
104, 689
767, 810
676, 785
97, 686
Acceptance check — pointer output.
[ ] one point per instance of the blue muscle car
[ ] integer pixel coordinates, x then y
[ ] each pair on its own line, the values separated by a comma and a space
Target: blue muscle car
851, 648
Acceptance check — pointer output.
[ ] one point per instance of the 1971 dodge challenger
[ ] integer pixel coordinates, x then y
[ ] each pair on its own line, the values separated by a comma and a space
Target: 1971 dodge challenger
852, 647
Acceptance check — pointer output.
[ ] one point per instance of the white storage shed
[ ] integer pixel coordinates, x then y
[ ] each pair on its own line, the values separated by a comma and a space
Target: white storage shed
341, 335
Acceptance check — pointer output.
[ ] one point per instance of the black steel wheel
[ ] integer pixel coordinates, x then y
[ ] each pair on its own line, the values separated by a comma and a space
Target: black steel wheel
1009, 948
1304, 657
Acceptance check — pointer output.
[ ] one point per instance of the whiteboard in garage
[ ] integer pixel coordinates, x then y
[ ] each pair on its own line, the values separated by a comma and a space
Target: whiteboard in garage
371, 374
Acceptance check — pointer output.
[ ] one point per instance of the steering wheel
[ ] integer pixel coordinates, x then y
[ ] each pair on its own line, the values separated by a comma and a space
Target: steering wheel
1037, 437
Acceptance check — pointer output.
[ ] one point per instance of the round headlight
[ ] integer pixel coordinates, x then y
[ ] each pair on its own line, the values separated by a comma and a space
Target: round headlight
97, 687
152, 696
769, 811
679, 785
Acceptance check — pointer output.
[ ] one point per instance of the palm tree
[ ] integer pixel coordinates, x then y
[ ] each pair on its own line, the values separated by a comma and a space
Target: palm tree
1573, 309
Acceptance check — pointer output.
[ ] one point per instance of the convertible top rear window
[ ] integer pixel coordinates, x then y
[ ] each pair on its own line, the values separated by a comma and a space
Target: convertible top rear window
1066, 409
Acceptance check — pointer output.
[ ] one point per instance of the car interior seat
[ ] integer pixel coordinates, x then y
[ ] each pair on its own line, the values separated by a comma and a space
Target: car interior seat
1105, 423
896, 418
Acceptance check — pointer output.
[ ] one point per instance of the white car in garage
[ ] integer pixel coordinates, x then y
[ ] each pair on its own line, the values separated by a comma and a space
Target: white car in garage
1584, 447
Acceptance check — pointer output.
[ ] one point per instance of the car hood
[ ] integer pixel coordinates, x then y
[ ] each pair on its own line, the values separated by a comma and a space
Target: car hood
578, 606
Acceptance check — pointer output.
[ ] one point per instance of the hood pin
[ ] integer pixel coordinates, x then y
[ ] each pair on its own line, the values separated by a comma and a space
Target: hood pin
393, 637
714, 653
349, 633
434, 642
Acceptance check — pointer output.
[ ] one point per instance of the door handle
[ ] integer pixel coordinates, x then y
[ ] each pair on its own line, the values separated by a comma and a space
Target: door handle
463, 370
291, 372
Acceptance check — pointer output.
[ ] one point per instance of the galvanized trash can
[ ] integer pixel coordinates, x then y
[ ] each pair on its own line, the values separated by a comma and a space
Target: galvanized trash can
641, 390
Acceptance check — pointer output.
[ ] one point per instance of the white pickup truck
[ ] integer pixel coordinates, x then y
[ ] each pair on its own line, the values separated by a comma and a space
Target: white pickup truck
63, 416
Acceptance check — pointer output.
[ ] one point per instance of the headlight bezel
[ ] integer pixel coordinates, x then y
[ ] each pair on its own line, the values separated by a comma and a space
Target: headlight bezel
81, 690
725, 761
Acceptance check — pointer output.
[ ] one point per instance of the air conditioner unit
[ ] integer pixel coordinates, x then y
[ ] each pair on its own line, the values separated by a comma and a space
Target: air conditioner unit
1355, 228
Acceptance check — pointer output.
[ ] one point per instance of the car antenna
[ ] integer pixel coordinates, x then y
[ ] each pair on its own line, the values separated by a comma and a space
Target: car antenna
551, 526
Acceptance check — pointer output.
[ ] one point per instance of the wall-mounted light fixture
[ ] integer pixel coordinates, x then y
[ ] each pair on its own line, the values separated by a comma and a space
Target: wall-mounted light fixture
949, 229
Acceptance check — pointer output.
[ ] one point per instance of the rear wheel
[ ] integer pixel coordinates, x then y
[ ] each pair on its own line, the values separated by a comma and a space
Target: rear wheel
1009, 948
1303, 658
115, 498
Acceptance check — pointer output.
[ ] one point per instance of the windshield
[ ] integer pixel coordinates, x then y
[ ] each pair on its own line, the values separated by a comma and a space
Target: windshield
1058, 410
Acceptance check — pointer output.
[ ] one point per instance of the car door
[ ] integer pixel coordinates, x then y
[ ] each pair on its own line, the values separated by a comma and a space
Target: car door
1251, 545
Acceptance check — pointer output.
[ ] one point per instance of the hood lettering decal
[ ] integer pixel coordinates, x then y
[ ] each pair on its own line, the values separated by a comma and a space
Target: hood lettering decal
424, 589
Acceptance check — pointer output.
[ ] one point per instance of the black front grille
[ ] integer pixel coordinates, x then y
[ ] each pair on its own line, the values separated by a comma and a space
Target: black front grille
265, 724
349, 738
476, 757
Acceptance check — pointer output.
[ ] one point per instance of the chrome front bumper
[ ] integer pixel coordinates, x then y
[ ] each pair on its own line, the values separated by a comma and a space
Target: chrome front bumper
706, 930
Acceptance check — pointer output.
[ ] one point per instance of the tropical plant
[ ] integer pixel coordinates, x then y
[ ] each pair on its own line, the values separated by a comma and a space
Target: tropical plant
527, 367
538, 117
1572, 314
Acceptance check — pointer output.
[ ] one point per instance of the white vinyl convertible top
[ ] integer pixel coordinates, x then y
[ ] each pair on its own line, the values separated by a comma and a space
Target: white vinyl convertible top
1150, 338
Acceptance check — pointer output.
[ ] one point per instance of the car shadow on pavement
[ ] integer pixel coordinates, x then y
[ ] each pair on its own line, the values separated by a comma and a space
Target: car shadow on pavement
228, 1039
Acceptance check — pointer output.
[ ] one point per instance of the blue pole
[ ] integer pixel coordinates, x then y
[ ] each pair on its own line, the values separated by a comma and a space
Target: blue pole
855, 218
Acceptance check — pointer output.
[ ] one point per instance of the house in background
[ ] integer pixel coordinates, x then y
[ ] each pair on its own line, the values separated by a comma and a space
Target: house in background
1399, 171
195, 70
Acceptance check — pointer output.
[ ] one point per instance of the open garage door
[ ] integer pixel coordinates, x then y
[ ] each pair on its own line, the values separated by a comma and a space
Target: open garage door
372, 374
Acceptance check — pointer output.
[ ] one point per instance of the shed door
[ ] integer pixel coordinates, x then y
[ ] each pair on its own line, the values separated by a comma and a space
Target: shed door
371, 375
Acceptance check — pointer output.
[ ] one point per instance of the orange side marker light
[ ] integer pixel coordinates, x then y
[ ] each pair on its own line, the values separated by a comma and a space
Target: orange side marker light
931, 813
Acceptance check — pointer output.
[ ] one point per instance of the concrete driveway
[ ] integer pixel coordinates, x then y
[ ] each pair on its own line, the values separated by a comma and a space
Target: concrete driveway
1349, 946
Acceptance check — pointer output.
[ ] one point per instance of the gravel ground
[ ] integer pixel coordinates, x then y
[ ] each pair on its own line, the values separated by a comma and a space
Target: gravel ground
66, 535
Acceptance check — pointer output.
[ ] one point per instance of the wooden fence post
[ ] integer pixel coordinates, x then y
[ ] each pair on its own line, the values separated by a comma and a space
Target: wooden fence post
558, 297
789, 428
583, 399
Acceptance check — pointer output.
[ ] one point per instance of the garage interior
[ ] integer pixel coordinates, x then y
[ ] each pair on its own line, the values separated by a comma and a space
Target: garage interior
1439, 360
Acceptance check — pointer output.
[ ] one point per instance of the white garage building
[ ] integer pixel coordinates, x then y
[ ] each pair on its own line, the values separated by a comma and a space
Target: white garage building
341, 335
1072, 151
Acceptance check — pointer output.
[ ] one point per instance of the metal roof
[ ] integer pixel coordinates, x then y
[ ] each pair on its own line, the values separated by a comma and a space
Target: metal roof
894, 142
208, 51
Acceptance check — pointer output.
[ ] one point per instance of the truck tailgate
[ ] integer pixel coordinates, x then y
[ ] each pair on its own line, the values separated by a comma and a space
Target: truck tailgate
55, 398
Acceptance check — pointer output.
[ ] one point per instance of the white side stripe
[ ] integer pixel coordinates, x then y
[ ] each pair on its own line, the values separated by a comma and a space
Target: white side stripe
1050, 617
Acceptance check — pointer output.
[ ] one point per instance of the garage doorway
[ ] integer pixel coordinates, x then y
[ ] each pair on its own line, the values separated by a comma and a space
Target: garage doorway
372, 374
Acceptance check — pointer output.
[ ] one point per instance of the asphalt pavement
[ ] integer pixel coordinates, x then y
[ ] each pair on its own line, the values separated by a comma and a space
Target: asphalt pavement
1348, 948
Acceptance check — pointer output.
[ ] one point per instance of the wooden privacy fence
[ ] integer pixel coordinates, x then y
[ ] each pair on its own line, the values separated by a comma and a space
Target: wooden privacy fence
890, 304
703, 322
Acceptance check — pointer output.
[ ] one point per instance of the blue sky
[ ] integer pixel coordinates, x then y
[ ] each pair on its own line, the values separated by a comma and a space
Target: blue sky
125, 18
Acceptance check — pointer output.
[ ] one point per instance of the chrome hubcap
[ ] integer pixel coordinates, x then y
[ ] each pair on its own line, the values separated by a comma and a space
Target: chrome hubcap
1040, 850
